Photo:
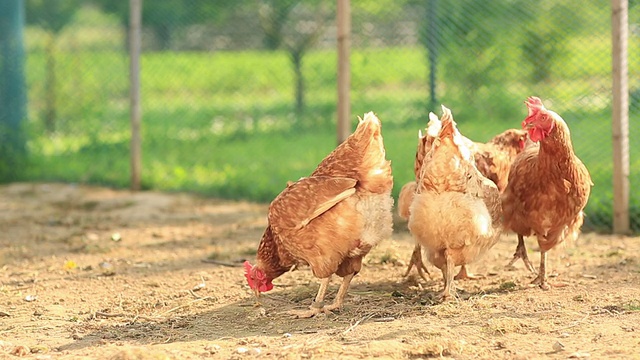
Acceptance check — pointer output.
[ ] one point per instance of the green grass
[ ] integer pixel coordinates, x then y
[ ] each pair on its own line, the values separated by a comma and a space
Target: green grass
223, 124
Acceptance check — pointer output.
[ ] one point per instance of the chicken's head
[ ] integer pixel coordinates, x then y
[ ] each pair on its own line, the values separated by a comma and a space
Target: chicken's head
512, 139
540, 121
522, 142
258, 281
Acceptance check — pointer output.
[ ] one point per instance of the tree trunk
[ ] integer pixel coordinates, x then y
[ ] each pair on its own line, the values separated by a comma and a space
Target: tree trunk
13, 98
50, 83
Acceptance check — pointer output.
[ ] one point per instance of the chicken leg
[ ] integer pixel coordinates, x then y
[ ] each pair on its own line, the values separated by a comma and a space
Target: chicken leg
541, 279
448, 271
521, 253
318, 306
416, 259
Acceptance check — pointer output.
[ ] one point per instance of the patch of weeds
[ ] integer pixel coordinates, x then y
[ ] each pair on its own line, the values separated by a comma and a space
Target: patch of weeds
508, 286
579, 298
613, 253
388, 257
634, 305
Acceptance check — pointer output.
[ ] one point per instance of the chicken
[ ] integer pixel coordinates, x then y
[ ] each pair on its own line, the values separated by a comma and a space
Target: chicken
456, 213
331, 219
548, 187
493, 159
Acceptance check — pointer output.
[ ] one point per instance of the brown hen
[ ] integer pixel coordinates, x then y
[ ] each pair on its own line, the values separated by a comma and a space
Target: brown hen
331, 219
548, 187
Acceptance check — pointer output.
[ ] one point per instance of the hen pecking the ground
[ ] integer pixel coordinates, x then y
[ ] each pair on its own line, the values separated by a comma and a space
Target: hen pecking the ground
331, 219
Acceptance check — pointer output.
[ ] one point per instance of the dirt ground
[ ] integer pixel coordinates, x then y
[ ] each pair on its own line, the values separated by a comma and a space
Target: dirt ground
90, 272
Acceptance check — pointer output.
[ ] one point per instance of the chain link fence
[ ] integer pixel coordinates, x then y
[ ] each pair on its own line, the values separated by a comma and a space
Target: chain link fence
239, 96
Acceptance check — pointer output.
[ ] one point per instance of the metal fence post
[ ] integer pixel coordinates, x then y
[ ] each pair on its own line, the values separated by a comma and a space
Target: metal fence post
134, 78
619, 37
344, 70
12, 88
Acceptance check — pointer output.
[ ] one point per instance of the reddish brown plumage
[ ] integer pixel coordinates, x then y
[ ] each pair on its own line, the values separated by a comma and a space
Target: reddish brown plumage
495, 157
548, 185
331, 219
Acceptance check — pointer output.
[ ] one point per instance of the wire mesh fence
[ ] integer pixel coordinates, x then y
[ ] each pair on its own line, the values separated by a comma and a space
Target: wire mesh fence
239, 96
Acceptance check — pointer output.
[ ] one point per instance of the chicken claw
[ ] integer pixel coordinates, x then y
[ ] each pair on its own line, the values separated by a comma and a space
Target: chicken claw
416, 260
541, 279
318, 307
521, 253
464, 275
314, 309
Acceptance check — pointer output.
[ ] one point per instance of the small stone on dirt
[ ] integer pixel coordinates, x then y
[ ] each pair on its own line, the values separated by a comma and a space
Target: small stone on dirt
558, 346
212, 348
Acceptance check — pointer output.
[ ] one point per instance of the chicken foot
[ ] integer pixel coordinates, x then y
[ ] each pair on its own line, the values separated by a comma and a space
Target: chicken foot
464, 275
541, 279
521, 253
318, 306
416, 259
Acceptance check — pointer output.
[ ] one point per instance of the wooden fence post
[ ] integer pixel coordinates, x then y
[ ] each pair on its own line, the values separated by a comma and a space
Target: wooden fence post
135, 20
344, 71
619, 39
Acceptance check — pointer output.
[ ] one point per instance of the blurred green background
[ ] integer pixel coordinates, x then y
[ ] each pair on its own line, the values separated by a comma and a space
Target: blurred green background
239, 97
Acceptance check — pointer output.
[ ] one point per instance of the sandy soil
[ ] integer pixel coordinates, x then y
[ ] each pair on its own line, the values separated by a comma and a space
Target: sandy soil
89, 272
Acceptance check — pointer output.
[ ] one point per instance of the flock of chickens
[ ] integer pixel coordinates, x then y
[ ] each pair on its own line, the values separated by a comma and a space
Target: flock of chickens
465, 195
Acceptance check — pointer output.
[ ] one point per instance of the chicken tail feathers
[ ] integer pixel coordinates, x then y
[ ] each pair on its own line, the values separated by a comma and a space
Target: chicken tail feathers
448, 125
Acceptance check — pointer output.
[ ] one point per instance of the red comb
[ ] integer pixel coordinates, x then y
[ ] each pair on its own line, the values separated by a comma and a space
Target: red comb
534, 105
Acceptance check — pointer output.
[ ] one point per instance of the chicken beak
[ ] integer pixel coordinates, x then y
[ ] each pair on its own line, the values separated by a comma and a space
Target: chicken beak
527, 125
256, 292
